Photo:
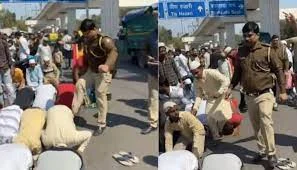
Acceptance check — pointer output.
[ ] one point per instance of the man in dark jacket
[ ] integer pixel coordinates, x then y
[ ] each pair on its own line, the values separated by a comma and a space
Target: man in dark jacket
6, 65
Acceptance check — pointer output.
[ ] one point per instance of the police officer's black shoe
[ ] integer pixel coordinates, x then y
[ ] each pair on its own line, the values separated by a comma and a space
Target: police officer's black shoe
243, 108
108, 96
275, 107
148, 130
259, 158
98, 131
272, 161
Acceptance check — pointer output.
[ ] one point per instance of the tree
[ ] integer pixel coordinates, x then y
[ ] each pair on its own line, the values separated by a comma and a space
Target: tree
165, 35
286, 31
97, 20
8, 20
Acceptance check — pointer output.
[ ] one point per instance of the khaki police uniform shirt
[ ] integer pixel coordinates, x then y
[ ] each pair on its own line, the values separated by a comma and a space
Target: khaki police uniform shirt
255, 69
189, 126
97, 55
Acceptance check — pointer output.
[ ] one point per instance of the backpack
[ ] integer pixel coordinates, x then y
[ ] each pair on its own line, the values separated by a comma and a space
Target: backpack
216, 161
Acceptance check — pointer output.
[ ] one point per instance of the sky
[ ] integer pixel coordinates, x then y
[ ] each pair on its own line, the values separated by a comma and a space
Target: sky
178, 26
187, 24
26, 10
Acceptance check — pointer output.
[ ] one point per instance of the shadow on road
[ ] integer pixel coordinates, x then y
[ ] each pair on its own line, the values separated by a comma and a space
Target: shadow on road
138, 78
142, 113
151, 160
245, 140
81, 122
286, 140
136, 103
129, 67
117, 119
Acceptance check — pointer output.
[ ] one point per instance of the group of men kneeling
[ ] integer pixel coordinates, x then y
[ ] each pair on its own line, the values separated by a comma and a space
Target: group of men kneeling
37, 122
222, 115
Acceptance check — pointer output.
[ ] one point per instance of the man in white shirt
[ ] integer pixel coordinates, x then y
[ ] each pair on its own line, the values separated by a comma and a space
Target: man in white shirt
289, 53
45, 96
181, 62
44, 50
24, 49
66, 40
206, 56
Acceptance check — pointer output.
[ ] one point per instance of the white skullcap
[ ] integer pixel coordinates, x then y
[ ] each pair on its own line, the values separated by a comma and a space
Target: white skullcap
284, 42
46, 58
227, 50
32, 61
161, 44
195, 64
188, 81
167, 105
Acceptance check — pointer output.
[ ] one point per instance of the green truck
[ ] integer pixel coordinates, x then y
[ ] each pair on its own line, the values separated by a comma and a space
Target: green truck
137, 25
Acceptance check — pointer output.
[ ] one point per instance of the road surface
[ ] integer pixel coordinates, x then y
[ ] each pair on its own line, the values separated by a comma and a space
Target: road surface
127, 116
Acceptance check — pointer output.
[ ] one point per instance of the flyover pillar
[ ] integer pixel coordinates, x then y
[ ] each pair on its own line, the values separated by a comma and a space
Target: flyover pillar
270, 16
230, 35
71, 20
222, 37
63, 19
110, 18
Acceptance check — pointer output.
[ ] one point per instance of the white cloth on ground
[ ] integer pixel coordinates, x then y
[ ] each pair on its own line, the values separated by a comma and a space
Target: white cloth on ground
15, 157
178, 160
10, 118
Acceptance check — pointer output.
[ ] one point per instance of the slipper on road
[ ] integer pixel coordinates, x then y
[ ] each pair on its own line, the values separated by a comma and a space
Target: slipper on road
130, 156
122, 160
284, 163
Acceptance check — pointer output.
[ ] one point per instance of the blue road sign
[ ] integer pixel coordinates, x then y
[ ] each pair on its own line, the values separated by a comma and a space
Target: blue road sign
186, 9
161, 10
226, 8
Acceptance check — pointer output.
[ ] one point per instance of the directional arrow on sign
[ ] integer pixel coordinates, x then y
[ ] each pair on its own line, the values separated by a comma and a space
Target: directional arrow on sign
200, 8
241, 6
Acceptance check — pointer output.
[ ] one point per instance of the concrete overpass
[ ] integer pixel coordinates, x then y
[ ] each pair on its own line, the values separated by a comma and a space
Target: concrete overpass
63, 15
264, 11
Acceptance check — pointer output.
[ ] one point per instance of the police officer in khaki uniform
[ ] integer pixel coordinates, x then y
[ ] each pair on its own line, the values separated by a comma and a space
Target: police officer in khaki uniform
280, 50
100, 57
256, 70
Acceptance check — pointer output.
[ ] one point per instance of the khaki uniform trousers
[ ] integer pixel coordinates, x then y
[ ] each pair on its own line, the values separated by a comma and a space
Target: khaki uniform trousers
78, 139
102, 82
51, 80
260, 113
153, 104
197, 149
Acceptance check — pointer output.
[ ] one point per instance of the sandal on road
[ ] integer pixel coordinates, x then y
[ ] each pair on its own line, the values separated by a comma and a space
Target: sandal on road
285, 163
129, 156
122, 160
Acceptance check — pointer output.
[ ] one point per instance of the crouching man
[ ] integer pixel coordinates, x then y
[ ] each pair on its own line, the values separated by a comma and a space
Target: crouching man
60, 130
192, 131
210, 86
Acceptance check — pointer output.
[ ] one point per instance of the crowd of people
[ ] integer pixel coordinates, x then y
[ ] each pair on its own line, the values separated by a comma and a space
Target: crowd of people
195, 100
37, 109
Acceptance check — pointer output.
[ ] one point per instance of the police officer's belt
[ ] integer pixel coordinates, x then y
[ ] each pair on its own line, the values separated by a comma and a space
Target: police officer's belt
254, 94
